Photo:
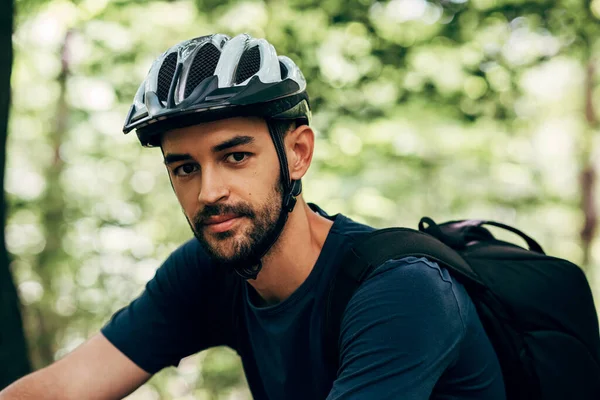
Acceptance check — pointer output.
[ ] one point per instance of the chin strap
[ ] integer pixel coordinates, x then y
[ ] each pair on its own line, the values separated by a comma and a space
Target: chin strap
291, 190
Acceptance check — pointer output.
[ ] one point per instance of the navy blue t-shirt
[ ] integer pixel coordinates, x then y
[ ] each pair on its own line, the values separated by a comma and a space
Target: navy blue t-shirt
409, 332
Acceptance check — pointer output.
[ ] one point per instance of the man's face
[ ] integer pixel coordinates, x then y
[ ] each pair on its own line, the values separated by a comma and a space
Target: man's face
226, 177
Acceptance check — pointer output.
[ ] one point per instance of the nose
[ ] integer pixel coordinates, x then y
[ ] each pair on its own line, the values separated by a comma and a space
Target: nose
213, 188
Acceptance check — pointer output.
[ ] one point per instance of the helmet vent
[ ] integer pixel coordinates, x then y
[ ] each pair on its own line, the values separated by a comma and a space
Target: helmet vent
283, 70
165, 76
203, 66
249, 65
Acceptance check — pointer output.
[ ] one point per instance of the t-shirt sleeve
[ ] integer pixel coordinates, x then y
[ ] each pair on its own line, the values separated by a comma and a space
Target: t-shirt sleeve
401, 330
179, 313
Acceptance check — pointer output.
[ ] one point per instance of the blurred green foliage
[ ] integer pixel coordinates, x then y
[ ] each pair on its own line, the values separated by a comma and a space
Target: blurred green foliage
452, 109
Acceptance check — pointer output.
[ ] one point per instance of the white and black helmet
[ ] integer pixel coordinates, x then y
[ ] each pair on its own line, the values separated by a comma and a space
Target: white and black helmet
214, 77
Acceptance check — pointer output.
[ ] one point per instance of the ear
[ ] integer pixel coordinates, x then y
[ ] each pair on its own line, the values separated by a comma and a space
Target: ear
299, 146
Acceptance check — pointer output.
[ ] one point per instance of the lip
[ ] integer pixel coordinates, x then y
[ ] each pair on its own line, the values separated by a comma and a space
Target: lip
221, 223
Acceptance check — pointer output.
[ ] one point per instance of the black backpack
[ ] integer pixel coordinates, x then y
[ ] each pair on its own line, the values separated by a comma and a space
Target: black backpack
537, 310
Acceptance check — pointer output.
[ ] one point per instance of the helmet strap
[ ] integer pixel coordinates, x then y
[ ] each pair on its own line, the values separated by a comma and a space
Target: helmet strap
291, 190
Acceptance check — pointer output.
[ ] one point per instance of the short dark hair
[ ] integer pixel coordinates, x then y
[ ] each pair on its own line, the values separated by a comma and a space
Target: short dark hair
283, 126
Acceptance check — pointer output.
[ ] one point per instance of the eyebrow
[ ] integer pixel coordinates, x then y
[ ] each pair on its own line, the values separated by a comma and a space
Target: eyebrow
173, 158
234, 141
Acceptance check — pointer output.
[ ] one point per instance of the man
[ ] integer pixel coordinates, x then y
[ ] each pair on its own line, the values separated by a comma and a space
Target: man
232, 121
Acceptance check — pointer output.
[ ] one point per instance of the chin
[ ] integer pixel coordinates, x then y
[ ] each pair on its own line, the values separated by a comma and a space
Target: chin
221, 246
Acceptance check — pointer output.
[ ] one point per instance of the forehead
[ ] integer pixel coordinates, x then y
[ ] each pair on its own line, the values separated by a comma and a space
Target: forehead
210, 133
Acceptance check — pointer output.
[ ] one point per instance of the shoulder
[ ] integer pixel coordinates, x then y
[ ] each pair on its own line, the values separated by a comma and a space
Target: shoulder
409, 294
401, 330
168, 321
419, 276
348, 228
190, 252
188, 259
188, 269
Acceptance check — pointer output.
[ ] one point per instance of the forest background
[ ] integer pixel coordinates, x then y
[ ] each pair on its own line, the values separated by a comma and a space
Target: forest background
453, 109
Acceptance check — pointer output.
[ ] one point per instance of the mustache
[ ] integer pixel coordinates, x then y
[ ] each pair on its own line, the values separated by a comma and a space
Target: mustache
239, 210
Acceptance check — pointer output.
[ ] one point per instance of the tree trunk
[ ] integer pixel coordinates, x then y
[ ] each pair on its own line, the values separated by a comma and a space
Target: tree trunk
588, 173
48, 322
14, 362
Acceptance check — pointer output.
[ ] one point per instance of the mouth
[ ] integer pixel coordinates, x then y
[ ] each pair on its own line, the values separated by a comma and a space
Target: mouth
221, 223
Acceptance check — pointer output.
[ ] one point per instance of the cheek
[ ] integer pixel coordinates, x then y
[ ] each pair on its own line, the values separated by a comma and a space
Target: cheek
187, 195
258, 184
244, 182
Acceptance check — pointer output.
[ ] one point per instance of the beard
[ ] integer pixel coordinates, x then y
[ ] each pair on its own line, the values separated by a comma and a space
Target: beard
241, 245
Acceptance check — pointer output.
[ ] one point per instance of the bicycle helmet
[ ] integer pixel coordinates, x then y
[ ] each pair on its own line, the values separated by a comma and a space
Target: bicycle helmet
214, 77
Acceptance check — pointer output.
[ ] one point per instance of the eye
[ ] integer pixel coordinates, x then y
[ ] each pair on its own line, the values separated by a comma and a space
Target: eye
237, 158
185, 169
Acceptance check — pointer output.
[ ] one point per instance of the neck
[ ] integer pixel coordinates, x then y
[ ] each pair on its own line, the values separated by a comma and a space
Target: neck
289, 262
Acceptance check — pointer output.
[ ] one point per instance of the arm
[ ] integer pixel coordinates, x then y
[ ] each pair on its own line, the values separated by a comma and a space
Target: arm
401, 330
95, 370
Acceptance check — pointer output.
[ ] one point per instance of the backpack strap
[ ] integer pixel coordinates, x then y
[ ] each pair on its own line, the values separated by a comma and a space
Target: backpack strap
457, 234
367, 253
